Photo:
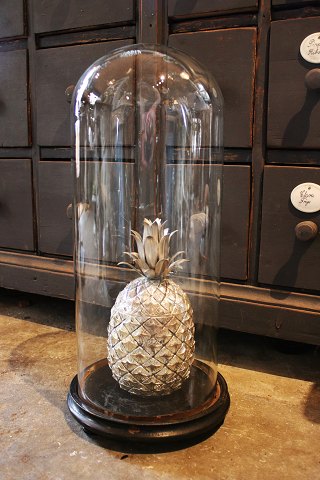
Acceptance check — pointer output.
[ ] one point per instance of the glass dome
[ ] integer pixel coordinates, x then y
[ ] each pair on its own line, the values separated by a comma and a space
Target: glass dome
147, 125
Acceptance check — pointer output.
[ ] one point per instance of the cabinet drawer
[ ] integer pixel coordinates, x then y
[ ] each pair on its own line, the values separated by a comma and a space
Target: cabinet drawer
13, 99
193, 8
294, 110
235, 221
57, 68
51, 15
235, 214
11, 18
55, 194
16, 216
285, 260
230, 57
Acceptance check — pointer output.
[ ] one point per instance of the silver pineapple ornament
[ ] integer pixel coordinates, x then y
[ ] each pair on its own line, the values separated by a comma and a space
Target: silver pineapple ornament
151, 330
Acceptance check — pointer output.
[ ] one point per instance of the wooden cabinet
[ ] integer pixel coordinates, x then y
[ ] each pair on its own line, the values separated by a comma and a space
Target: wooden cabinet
294, 109
230, 56
271, 139
285, 259
14, 131
52, 15
16, 204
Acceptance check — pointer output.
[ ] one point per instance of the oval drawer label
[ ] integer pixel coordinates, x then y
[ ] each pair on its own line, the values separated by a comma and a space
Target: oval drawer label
306, 197
310, 48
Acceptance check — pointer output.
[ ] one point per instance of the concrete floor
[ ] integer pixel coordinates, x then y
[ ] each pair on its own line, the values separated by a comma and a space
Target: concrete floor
272, 430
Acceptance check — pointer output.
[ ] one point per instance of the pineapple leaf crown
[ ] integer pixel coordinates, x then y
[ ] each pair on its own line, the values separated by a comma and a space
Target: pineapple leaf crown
152, 259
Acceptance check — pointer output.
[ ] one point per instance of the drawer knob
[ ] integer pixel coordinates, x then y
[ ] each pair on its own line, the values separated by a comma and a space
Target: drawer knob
69, 92
306, 231
69, 211
312, 79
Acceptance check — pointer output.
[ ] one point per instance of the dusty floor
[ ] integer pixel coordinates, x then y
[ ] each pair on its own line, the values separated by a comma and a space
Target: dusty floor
272, 430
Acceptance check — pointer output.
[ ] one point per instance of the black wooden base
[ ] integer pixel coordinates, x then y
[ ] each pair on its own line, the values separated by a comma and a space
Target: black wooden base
145, 431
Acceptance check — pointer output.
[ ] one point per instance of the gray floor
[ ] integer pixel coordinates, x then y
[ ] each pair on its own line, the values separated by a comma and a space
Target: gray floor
272, 430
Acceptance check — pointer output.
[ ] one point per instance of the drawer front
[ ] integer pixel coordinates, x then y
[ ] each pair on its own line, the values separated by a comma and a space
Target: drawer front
230, 57
57, 68
294, 110
13, 99
11, 18
235, 214
285, 260
192, 8
16, 214
235, 221
52, 15
55, 195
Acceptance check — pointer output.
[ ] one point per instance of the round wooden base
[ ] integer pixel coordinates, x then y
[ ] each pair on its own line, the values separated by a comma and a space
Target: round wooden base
151, 429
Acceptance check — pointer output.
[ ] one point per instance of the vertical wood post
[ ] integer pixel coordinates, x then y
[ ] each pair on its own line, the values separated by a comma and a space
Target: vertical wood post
258, 141
152, 23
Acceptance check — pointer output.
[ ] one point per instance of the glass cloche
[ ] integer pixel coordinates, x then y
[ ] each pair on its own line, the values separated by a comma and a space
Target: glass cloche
147, 125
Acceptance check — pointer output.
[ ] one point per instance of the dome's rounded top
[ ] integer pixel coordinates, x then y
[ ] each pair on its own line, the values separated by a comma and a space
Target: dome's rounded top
146, 73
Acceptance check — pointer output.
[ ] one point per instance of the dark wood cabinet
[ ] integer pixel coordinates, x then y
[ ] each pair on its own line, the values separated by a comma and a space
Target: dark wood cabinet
272, 143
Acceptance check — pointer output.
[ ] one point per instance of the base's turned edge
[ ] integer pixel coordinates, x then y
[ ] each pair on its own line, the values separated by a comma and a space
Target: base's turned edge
156, 433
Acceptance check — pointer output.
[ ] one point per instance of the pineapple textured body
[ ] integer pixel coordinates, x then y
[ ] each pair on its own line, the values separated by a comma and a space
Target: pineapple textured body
151, 337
